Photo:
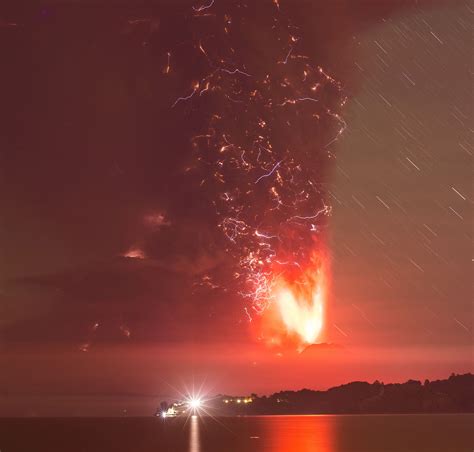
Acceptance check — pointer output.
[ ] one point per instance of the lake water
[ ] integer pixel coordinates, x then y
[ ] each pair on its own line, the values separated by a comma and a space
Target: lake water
378, 433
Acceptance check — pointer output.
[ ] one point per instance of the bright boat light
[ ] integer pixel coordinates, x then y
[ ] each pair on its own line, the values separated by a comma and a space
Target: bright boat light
195, 403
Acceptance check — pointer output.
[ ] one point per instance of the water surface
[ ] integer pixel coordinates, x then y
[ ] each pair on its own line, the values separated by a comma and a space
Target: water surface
378, 433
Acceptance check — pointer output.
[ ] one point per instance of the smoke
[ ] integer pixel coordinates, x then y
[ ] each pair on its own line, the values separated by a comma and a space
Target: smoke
266, 116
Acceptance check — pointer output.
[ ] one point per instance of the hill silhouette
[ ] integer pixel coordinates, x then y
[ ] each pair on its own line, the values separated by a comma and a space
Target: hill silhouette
453, 395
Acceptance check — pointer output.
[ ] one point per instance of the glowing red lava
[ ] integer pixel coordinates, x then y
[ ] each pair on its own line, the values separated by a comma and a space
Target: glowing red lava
295, 316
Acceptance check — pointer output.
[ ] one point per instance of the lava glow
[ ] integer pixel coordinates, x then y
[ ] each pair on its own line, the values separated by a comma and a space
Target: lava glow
295, 315
300, 316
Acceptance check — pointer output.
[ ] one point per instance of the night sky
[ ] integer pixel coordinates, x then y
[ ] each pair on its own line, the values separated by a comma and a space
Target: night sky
115, 279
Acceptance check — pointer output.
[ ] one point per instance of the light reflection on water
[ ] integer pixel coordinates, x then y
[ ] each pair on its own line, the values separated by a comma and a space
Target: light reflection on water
310, 434
194, 440
275, 433
327, 433
352, 433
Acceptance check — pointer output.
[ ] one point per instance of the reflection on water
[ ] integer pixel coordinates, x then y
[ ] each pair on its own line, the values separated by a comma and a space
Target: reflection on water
264, 434
309, 434
194, 441
371, 433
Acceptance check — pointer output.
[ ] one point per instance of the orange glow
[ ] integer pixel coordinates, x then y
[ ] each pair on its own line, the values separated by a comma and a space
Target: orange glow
134, 253
295, 317
306, 434
300, 317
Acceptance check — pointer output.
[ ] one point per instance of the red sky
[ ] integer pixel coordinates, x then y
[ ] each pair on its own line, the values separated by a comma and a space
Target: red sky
91, 154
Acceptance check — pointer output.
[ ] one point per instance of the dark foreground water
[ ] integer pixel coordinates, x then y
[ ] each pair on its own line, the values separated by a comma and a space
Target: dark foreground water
391, 433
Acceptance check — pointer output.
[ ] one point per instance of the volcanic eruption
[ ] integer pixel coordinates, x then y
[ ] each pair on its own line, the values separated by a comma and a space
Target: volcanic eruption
265, 117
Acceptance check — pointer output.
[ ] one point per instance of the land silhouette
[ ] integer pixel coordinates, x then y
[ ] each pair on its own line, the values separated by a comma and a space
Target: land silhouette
452, 395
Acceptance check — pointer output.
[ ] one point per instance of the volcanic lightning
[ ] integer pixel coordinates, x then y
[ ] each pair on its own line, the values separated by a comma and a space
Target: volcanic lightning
266, 117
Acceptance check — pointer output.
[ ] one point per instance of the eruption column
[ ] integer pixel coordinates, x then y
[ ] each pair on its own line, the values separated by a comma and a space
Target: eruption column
266, 116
